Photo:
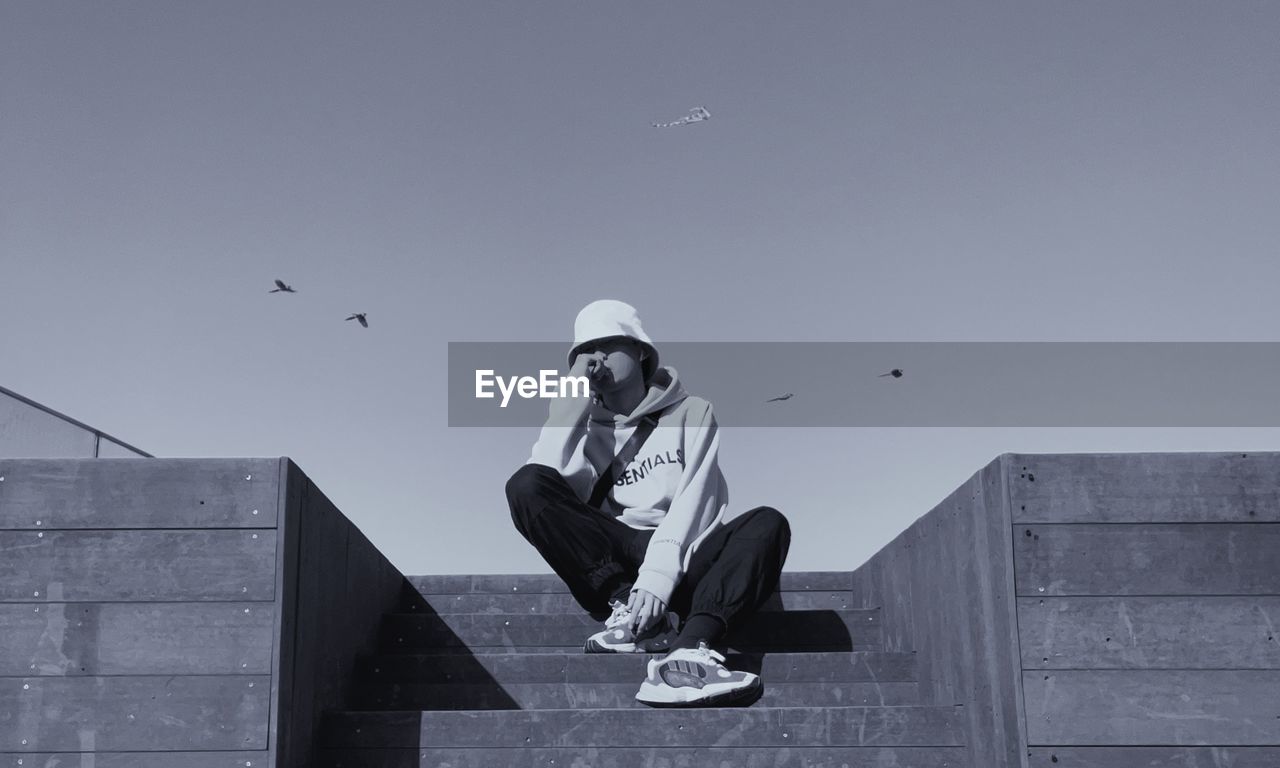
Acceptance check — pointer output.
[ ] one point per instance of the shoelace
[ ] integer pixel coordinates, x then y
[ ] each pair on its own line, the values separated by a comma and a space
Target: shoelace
619, 611
703, 651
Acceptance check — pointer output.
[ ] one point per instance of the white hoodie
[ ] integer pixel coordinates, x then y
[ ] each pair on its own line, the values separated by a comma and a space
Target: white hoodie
673, 485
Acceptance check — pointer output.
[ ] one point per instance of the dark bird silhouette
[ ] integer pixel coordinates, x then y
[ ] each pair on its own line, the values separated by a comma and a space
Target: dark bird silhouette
895, 373
361, 317
282, 288
787, 396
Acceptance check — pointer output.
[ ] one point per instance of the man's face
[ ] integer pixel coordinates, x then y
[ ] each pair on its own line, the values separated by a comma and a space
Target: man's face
621, 361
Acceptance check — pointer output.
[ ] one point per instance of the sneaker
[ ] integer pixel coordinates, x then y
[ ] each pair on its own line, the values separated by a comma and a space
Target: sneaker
616, 637
696, 677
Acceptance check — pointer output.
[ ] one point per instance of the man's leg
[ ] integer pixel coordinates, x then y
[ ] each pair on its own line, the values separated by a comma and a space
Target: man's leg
591, 552
731, 575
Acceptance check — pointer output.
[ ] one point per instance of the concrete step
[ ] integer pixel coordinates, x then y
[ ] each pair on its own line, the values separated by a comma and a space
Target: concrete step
455, 696
579, 667
549, 583
757, 726
563, 602
462, 651
790, 630
647, 757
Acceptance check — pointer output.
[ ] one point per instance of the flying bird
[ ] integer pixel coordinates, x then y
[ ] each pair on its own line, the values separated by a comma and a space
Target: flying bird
696, 115
282, 288
361, 317
787, 396
895, 373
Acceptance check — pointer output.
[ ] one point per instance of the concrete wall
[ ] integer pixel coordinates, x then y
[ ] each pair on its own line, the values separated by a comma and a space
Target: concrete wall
1148, 597
178, 613
1097, 610
30, 430
945, 587
139, 600
336, 588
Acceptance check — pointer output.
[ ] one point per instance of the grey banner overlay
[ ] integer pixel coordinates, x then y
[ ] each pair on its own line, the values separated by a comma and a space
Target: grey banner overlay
943, 384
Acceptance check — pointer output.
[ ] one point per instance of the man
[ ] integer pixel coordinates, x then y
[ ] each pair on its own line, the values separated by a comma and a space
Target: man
624, 498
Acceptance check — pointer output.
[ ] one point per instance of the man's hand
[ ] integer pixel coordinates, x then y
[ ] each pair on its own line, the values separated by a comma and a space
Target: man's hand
590, 365
570, 411
646, 610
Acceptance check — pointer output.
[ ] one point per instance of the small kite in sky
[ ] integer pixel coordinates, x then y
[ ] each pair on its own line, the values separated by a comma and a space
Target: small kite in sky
787, 396
361, 317
696, 115
282, 288
895, 373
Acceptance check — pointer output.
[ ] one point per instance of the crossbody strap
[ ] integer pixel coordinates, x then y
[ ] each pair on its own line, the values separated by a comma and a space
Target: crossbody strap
624, 457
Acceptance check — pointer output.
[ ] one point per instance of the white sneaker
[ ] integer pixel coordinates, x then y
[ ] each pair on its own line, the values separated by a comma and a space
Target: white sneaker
616, 637
696, 677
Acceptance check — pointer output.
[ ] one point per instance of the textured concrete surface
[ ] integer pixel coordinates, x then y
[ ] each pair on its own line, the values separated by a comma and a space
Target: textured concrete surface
796, 727
1128, 632
1132, 706
1154, 757
563, 602
125, 493
945, 589
1148, 592
336, 587
616, 695
1145, 488
1147, 559
128, 713
136, 638
169, 759
578, 667
1099, 611
137, 611
854, 630
548, 583
134, 565
191, 612
516, 697
653, 757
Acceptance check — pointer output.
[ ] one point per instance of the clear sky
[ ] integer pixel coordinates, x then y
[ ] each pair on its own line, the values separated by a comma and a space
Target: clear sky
475, 171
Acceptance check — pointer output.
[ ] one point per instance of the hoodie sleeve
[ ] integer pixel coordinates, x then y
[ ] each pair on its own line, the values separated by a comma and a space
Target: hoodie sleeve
694, 506
561, 443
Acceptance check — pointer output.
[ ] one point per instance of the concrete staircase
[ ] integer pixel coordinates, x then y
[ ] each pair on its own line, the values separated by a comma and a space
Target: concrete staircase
488, 670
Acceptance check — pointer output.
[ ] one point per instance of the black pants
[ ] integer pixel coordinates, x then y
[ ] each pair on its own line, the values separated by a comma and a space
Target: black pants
732, 572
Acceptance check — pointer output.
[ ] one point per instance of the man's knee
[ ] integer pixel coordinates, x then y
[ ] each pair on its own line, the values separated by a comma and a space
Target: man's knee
530, 484
524, 482
767, 522
525, 485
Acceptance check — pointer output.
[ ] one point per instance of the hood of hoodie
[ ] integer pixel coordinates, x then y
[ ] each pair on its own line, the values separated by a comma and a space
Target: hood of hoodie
665, 390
